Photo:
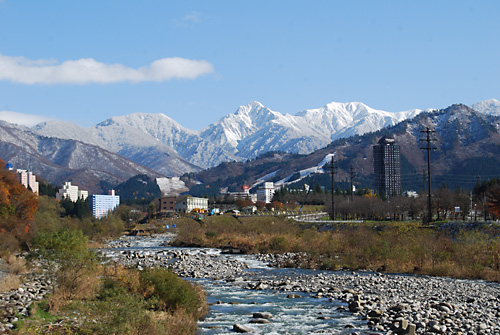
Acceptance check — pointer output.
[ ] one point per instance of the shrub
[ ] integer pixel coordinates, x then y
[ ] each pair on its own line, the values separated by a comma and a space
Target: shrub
167, 292
210, 234
278, 244
74, 267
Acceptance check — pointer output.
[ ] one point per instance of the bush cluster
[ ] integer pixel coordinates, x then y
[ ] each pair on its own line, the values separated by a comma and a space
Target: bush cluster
92, 298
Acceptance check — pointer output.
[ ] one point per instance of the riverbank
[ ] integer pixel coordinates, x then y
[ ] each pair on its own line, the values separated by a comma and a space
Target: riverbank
389, 303
14, 303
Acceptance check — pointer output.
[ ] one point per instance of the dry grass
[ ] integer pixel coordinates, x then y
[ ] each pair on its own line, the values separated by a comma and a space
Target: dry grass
13, 267
391, 247
9, 282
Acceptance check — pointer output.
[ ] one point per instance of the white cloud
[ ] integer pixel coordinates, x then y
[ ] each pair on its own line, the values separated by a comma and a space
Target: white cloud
87, 70
193, 17
28, 120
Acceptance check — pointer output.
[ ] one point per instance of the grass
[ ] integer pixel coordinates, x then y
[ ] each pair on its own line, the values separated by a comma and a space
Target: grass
92, 298
9, 282
14, 267
127, 301
392, 247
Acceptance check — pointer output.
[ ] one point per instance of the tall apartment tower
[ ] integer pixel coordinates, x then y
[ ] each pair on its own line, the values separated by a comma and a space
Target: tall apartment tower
28, 179
387, 167
101, 205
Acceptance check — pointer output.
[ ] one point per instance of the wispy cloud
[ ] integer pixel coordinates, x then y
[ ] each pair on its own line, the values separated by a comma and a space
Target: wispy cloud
88, 70
192, 17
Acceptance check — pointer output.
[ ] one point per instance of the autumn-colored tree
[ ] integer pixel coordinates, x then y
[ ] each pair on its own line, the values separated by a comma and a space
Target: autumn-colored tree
277, 205
18, 206
242, 203
493, 196
260, 205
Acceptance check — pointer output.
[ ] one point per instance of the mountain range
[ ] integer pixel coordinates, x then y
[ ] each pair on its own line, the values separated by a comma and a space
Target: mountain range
466, 142
154, 144
160, 143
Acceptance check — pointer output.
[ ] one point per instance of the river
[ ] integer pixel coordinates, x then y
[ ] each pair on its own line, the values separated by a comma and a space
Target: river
231, 303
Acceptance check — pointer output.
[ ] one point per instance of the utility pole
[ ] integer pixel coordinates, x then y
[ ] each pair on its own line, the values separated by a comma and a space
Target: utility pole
428, 147
352, 178
423, 179
332, 167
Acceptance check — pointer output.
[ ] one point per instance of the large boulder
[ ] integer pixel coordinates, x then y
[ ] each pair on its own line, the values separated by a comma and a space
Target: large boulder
241, 329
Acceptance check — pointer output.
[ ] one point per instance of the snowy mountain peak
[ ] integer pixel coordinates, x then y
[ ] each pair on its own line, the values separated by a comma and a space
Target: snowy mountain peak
145, 119
250, 107
488, 107
254, 114
351, 106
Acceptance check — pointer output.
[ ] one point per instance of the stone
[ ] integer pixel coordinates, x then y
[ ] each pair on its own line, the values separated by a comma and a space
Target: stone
293, 296
374, 313
241, 329
262, 315
259, 320
355, 306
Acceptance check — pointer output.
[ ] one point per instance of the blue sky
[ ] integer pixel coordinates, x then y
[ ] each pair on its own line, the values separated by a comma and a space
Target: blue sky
196, 61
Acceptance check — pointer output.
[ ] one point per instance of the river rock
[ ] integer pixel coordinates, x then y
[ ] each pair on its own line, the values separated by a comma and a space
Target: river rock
241, 329
262, 315
294, 296
260, 321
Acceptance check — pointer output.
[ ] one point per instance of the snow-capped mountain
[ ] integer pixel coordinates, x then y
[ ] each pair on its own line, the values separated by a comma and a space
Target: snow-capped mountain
467, 146
148, 139
157, 141
488, 107
58, 160
255, 129
163, 145
354, 118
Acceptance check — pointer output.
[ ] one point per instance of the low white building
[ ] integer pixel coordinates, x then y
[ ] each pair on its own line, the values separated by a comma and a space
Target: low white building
187, 204
265, 192
72, 192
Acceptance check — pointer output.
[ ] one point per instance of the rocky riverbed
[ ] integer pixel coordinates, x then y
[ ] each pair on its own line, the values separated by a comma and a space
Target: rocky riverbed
404, 304
395, 304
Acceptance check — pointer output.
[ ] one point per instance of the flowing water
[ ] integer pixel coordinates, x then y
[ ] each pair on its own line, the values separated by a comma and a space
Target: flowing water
230, 303
304, 315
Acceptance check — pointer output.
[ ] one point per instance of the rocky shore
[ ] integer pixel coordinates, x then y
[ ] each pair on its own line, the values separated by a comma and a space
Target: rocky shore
15, 303
404, 304
390, 304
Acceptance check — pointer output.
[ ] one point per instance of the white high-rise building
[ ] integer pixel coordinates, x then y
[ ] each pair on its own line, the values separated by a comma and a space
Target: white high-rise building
266, 192
72, 192
101, 205
28, 179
